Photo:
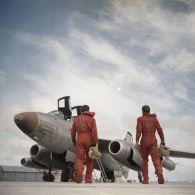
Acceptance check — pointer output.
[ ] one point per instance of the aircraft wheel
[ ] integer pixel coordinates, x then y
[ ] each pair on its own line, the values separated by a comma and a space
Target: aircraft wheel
48, 177
110, 176
67, 173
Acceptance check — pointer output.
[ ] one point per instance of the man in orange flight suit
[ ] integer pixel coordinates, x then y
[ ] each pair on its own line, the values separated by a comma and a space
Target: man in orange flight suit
147, 126
85, 127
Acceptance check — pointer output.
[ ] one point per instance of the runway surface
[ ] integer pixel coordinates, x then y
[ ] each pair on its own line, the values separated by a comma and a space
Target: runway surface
41, 188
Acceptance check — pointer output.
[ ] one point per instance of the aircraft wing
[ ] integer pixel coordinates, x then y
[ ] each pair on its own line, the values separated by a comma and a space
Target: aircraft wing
180, 154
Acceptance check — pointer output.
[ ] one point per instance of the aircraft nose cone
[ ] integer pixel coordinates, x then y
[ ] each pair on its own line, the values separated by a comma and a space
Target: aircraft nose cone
26, 121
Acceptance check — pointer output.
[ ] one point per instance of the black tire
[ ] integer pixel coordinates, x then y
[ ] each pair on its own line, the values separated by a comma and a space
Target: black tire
110, 176
48, 178
68, 172
65, 175
44, 178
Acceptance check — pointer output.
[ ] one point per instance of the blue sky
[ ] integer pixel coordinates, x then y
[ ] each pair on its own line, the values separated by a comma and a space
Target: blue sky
113, 55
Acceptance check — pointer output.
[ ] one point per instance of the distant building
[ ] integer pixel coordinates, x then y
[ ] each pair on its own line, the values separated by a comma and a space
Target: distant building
18, 173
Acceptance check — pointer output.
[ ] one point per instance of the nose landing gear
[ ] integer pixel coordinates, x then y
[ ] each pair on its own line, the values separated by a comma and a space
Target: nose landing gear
48, 176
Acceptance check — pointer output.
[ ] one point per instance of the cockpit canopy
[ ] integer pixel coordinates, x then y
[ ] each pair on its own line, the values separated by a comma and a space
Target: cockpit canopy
66, 109
56, 113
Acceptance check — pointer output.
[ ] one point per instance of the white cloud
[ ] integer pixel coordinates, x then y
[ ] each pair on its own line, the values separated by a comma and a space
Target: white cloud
14, 145
99, 91
64, 72
183, 61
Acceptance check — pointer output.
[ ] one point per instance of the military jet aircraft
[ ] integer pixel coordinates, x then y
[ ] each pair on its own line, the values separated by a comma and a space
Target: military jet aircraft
54, 148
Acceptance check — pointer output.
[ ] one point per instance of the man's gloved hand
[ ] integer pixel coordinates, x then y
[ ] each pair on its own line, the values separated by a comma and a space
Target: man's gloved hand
163, 150
94, 152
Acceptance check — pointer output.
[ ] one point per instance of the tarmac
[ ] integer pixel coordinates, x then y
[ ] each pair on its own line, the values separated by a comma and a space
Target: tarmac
59, 188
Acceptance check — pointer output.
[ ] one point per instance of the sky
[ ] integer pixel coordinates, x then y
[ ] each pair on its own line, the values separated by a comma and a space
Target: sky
115, 55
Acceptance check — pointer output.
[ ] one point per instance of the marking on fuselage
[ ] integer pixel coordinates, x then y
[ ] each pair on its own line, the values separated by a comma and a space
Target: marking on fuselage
47, 128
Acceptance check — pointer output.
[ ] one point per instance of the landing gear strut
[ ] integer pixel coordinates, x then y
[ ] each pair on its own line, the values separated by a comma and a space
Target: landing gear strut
47, 176
68, 172
140, 176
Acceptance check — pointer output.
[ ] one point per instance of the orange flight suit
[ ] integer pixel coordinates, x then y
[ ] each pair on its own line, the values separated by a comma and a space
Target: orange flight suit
147, 126
84, 126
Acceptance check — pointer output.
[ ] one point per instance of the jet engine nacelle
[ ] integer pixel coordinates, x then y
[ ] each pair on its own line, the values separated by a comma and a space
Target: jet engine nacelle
119, 149
29, 162
48, 158
125, 153
168, 164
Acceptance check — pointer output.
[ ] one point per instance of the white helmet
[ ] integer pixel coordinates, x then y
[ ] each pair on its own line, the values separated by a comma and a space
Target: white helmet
94, 152
91, 154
